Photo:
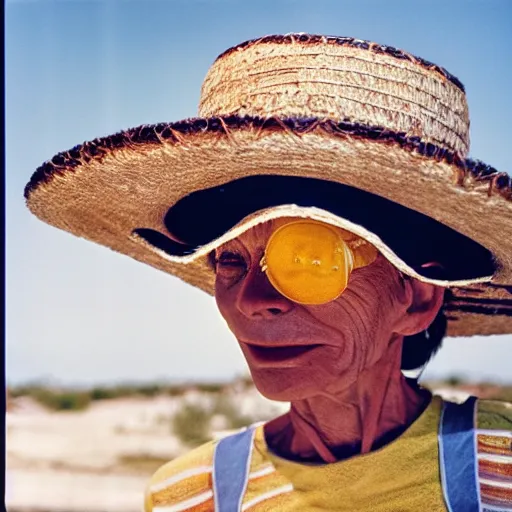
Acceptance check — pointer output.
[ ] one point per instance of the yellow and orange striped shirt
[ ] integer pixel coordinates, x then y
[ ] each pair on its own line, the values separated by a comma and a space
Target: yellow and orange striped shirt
403, 475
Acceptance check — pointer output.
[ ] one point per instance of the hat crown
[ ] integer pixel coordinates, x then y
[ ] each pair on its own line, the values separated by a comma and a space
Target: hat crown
342, 79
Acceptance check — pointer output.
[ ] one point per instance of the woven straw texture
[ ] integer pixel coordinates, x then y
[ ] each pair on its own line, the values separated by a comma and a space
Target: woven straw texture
337, 109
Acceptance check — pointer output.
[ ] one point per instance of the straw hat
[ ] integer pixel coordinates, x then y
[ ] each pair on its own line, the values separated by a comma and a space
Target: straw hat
385, 130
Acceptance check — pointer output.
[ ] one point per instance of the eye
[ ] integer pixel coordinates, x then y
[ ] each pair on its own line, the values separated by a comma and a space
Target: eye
230, 264
227, 258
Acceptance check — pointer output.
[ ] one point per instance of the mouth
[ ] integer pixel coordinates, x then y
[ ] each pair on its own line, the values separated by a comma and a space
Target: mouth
279, 354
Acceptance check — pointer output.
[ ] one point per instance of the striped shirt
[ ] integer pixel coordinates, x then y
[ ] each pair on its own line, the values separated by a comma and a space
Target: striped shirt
403, 475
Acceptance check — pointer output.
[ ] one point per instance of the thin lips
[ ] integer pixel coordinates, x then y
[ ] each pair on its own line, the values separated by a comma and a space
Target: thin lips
269, 344
282, 355
286, 345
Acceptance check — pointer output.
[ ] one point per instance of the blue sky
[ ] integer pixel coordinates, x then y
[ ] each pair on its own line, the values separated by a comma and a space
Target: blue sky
76, 70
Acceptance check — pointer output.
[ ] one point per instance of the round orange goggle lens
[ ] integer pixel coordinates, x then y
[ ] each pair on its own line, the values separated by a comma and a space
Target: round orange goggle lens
310, 262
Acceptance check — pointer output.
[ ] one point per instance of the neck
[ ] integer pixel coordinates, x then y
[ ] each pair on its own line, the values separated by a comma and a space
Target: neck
344, 421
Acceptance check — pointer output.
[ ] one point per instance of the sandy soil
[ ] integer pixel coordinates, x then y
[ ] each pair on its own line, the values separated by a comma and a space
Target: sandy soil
64, 491
97, 460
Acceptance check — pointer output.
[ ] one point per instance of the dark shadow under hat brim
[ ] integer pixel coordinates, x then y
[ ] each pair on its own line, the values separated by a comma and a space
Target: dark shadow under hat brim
205, 215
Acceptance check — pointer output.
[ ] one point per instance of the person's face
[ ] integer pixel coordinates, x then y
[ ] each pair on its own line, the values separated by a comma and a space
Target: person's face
295, 351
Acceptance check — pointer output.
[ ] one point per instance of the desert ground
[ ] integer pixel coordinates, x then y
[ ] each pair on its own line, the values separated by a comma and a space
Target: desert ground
99, 459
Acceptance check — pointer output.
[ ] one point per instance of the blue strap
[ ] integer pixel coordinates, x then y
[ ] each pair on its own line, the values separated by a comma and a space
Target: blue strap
231, 462
457, 456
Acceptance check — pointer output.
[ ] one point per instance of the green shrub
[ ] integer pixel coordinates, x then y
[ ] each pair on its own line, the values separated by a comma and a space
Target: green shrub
210, 387
101, 393
175, 390
224, 405
455, 380
61, 400
126, 390
192, 424
149, 390
72, 401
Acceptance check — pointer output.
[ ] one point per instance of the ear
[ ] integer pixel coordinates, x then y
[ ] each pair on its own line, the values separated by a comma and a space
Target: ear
424, 304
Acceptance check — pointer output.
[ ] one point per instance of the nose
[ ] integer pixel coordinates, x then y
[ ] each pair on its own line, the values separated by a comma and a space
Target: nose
258, 299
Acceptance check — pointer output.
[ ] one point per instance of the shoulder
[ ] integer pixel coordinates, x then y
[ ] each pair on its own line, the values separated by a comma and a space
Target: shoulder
185, 479
494, 450
186, 482
494, 415
494, 432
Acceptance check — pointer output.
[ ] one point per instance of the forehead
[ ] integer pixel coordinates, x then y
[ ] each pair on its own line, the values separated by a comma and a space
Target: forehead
258, 235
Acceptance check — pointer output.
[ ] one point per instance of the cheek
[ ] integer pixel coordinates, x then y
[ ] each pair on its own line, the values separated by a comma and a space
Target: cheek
356, 334
221, 299
364, 316
225, 298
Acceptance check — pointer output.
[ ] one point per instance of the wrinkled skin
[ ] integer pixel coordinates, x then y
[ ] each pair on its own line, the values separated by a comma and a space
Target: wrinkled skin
347, 392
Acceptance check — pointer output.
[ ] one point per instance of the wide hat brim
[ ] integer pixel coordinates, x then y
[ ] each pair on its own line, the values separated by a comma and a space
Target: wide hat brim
106, 189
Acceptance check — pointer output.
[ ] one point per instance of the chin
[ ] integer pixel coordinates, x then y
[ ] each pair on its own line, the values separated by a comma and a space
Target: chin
288, 384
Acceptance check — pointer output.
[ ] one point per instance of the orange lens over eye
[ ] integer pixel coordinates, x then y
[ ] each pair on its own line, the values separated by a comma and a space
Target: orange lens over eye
309, 262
